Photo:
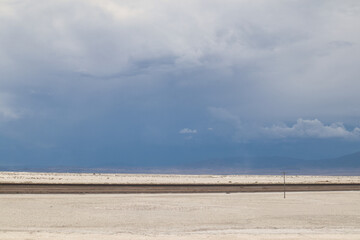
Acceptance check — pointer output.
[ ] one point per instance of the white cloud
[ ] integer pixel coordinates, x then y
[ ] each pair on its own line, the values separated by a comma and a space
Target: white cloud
187, 131
303, 128
7, 112
225, 115
232, 125
312, 129
117, 9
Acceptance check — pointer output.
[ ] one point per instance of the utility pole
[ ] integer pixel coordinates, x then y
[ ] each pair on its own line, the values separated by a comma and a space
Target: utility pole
284, 184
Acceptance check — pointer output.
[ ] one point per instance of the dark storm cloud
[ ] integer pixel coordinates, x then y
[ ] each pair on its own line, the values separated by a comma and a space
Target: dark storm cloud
141, 70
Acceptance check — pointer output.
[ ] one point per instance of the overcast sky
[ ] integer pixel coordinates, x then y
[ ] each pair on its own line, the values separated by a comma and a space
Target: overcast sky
149, 82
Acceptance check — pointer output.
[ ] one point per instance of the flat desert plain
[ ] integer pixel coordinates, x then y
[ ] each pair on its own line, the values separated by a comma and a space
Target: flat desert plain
97, 178
302, 215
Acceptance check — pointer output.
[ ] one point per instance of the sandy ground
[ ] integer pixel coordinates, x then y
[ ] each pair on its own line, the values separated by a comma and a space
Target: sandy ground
306, 215
28, 177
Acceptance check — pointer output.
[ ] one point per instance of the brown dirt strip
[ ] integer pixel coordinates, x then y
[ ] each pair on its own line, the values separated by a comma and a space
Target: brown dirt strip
15, 188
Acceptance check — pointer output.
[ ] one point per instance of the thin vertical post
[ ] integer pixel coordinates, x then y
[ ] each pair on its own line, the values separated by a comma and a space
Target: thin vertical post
284, 186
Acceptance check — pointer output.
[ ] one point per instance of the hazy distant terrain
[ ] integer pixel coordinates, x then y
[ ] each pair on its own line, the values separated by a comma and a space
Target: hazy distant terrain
344, 165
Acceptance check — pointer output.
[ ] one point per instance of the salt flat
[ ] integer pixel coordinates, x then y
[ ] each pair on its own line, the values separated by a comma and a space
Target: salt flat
33, 177
302, 215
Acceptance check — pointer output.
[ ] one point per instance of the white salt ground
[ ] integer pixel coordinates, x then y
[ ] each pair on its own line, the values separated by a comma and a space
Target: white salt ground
31, 177
307, 215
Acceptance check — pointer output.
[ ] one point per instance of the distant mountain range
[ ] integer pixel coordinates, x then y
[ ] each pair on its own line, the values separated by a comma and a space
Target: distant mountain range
341, 165
344, 165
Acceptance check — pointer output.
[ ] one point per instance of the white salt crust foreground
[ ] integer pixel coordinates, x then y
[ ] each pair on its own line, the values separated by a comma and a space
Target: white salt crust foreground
302, 215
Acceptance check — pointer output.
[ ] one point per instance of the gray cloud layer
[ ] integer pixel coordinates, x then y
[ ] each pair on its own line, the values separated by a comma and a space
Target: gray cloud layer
251, 63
